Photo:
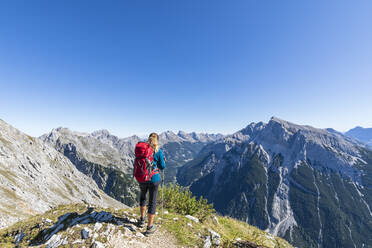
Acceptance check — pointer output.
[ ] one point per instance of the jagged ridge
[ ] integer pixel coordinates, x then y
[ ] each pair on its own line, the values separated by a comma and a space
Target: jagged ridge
279, 176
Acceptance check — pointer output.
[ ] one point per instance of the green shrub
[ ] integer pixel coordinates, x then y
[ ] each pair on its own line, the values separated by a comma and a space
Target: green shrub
180, 200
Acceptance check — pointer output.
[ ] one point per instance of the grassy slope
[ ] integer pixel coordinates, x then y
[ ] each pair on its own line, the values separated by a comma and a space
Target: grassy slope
187, 235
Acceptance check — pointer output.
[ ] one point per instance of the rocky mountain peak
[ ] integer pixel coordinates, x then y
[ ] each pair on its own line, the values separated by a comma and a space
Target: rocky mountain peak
102, 132
300, 143
185, 136
169, 136
304, 143
363, 135
279, 175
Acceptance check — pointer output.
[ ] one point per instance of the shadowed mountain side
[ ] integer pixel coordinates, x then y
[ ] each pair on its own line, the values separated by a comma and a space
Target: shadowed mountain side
311, 186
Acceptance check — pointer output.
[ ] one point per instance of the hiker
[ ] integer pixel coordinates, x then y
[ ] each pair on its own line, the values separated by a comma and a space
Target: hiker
149, 160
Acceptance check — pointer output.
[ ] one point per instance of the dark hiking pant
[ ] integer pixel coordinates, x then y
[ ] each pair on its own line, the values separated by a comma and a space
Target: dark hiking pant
153, 189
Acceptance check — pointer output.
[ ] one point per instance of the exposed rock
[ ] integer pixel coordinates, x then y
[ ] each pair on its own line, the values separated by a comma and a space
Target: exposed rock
97, 226
207, 242
85, 233
134, 221
107, 233
131, 227
78, 241
127, 232
97, 244
215, 237
36, 178
215, 220
48, 221
18, 238
192, 218
56, 241
95, 236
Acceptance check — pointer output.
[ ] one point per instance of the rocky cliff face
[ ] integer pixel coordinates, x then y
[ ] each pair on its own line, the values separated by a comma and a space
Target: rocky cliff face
101, 160
124, 146
34, 177
182, 147
310, 186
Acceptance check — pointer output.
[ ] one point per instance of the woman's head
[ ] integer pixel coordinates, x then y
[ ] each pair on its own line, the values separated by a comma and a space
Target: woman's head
154, 141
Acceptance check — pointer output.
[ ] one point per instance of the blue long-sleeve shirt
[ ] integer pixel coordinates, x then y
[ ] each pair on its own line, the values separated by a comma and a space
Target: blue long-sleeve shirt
159, 162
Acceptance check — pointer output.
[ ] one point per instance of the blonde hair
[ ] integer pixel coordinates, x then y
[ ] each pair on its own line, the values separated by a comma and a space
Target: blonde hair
154, 141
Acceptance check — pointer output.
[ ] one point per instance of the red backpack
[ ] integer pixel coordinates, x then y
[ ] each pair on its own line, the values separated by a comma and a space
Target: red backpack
143, 164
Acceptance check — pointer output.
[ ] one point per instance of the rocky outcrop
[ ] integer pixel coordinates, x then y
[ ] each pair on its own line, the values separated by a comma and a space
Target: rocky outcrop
83, 226
78, 225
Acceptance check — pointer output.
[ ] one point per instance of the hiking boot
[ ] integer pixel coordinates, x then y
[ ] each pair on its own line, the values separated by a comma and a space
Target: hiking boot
141, 222
150, 230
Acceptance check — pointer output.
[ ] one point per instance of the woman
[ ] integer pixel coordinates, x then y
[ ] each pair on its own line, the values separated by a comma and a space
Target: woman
151, 186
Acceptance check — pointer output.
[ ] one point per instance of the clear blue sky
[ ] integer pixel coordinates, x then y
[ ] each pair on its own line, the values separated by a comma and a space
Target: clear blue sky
208, 66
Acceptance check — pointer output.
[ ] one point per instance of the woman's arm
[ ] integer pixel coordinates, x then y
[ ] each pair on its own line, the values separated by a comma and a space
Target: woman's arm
161, 164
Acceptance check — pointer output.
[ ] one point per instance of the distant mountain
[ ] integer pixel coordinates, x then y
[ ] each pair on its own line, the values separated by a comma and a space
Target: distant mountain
125, 146
362, 134
108, 159
193, 137
98, 155
34, 177
178, 148
311, 186
182, 147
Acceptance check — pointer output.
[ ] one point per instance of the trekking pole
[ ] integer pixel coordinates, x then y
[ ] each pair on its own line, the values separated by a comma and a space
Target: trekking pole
162, 192
162, 198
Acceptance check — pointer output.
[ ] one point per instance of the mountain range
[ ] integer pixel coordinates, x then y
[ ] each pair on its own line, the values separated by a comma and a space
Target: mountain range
108, 159
311, 186
363, 135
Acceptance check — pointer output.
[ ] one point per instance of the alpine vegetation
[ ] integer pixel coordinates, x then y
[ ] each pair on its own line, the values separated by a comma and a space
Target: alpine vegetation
308, 185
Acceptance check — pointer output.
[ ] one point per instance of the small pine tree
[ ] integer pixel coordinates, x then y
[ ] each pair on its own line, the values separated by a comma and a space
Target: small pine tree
180, 200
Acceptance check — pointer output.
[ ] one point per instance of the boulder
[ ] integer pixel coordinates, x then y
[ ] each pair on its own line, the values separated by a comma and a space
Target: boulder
192, 218
97, 244
97, 226
207, 242
215, 237
85, 233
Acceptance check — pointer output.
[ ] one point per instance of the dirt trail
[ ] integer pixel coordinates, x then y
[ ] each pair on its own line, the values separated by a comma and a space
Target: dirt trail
159, 239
